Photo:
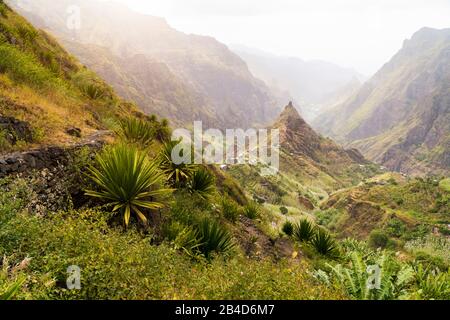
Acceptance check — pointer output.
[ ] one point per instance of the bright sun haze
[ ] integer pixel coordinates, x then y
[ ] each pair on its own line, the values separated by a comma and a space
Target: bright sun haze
358, 34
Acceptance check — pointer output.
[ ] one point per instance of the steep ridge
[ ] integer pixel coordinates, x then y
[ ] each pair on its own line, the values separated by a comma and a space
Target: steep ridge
297, 137
201, 74
401, 117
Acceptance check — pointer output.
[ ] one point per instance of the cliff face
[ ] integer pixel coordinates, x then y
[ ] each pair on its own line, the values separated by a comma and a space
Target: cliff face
401, 117
184, 77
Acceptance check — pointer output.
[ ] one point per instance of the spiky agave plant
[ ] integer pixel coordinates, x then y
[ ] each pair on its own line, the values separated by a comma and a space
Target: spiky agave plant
128, 180
177, 173
137, 131
202, 184
324, 243
303, 231
213, 237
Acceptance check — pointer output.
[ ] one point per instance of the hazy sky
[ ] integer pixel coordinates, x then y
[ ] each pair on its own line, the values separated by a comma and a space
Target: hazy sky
362, 34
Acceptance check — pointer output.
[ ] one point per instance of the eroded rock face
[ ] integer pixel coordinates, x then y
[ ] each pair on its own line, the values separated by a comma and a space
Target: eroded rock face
16, 130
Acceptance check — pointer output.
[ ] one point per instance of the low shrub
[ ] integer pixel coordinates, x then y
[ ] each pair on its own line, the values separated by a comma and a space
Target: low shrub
304, 231
288, 228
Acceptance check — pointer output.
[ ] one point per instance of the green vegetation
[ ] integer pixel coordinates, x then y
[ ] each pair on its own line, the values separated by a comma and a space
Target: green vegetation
304, 231
128, 181
202, 184
177, 173
252, 211
288, 228
324, 243
213, 237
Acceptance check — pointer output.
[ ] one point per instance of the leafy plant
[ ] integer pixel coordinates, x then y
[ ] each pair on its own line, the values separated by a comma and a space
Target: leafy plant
288, 228
252, 211
431, 283
176, 173
303, 231
128, 180
230, 209
324, 243
213, 237
378, 239
202, 184
136, 131
162, 131
13, 289
360, 282
284, 210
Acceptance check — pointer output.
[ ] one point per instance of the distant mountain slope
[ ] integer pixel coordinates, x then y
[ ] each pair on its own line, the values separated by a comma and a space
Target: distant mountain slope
313, 84
401, 117
201, 79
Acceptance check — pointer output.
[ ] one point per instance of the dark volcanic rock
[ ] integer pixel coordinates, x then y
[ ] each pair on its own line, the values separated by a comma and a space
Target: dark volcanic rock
16, 130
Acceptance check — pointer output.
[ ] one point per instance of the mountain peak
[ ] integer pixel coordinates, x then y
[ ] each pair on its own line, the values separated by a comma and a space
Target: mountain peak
290, 118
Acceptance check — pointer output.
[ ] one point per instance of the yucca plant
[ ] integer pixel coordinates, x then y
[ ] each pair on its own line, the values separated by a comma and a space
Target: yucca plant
288, 228
128, 180
137, 131
177, 174
252, 211
202, 184
162, 131
303, 231
213, 237
324, 243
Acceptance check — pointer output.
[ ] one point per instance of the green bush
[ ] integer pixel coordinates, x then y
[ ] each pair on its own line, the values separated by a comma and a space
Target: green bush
127, 180
252, 211
304, 231
202, 184
214, 238
136, 131
177, 174
230, 209
378, 239
284, 210
324, 243
288, 228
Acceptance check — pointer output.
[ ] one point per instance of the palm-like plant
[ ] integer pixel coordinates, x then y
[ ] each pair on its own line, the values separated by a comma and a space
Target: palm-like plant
288, 228
137, 131
324, 243
162, 131
303, 231
177, 174
202, 184
213, 237
128, 180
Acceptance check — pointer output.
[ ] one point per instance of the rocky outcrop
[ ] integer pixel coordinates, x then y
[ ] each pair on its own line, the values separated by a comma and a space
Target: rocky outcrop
15, 130
46, 157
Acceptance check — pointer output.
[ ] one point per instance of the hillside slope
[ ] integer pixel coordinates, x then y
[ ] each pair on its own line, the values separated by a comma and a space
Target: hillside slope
198, 73
46, 95
401, 117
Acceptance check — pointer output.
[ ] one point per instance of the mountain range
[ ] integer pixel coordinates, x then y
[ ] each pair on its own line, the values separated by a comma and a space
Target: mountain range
180, 76
314, 85
401, 117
